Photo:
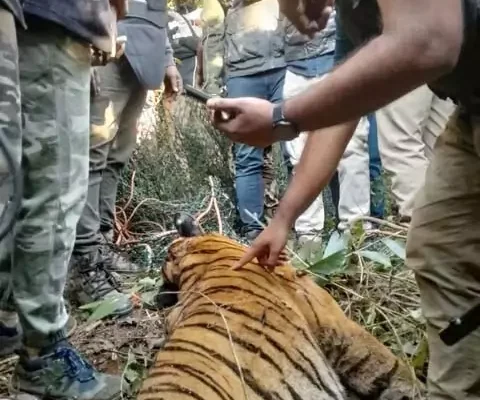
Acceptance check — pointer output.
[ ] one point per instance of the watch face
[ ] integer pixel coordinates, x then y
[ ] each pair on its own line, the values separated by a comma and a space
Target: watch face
284, 132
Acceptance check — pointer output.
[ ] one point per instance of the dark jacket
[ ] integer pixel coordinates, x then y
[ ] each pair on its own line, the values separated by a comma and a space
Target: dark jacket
92, 20
361, 21
148, 49
253, 38
184, 43
301, 47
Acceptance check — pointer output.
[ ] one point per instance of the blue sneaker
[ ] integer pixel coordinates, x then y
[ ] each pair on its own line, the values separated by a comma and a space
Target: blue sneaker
11, 338
60, 372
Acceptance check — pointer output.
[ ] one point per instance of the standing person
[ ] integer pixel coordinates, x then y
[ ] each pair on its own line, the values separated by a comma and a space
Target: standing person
343, 46
184, 41
309, 60
53, 76
408, 130
254, 66
404, 44
122, 90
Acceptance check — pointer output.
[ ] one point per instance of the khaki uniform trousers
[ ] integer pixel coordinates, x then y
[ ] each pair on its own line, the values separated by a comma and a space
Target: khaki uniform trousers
444, 251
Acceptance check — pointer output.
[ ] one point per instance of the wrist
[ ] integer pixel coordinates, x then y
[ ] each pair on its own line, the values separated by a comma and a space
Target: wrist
289, 112
284, 215
283, 128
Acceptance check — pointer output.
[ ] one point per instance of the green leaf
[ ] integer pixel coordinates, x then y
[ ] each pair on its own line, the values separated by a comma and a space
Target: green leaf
377, 257
104, 309
395, 247
310, 251
331, 265
336, 243
421, 355
91, 306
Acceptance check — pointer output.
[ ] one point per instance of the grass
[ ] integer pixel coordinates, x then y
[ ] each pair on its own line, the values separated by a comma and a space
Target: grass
364, 271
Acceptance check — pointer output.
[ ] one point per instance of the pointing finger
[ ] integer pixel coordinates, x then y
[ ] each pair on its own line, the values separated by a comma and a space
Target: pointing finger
252, 252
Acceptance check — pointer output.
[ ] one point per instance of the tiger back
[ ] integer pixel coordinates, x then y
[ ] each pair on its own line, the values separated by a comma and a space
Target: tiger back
253, 334
234, 334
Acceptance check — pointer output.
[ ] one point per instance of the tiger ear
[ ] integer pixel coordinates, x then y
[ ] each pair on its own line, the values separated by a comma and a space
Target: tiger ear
186, 225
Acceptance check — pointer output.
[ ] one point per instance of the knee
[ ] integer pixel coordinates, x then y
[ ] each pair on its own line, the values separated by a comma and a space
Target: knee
248, 160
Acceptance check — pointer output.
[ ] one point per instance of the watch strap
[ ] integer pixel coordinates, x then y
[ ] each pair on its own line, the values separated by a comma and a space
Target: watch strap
278, 114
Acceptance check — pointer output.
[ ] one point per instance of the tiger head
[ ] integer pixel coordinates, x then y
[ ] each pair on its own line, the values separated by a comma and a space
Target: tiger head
189, 256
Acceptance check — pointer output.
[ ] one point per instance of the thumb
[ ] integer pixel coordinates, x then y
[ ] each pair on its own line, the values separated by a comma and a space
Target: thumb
230, 106
174, 82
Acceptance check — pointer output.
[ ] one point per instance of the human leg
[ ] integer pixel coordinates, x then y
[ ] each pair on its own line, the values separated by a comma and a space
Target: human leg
402, 149
248, 160
105, 112
117, 159
440, 113
443, 251
122, 148
377, 198
91, 281
312, 220
354, 177
54, 80
10, 129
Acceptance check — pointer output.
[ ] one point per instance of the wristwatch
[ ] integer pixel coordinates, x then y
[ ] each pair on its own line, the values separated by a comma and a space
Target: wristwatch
283, 130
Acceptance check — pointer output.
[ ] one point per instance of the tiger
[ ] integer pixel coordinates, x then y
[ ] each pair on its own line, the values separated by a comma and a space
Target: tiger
252, 334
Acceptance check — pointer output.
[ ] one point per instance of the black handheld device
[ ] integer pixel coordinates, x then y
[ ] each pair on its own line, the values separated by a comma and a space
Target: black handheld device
461, 327
202, 96
197, 94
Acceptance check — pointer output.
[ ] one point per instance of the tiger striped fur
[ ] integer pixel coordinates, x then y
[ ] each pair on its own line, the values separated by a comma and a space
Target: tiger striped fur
252, 334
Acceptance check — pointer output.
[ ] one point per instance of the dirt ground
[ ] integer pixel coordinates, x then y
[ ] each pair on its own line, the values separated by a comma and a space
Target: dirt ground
124, 346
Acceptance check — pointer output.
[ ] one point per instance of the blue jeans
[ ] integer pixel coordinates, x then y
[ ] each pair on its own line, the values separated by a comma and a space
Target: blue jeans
249, 185
377, 200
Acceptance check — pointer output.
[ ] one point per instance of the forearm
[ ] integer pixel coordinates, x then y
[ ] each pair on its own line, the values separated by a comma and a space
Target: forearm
319, 161
382, 71
169, 60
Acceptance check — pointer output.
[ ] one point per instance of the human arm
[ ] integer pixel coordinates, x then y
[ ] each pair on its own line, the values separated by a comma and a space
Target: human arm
320, 157
419, 43
173, 80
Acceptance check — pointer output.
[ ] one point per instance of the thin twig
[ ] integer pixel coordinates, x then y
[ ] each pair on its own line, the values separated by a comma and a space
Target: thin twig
378, 221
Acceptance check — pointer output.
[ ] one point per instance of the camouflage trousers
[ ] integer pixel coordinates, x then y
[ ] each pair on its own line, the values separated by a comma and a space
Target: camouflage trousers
52, 144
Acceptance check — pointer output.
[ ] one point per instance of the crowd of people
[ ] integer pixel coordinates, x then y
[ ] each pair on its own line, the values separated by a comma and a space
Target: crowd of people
394, 49
71, 92
70, 119
252, 50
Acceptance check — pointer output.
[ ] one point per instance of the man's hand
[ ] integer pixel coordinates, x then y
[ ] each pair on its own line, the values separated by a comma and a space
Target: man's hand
173, 82
268, 245
250, 119
308, 16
